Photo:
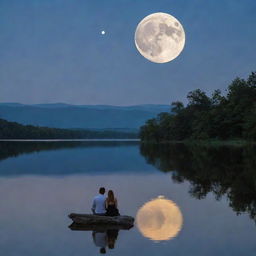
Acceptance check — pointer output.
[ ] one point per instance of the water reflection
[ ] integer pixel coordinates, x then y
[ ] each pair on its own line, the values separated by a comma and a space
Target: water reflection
69, 158
15, 148
100, 240
104, 237
159, 219
224, 171
40, 190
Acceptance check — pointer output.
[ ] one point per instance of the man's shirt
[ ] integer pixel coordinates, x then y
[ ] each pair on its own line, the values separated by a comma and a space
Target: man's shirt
98, 205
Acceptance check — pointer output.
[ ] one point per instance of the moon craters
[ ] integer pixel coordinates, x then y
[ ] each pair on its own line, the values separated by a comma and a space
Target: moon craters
170, 31
160, 37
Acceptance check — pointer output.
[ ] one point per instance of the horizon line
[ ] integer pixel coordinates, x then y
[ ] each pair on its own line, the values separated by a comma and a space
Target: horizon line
72, 104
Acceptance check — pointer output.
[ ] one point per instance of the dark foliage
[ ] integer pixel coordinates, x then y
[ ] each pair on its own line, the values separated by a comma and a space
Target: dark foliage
9, 149
223, 171
12, 130
217, 117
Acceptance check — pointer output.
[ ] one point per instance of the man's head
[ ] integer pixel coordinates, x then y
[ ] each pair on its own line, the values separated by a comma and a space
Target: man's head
102, 190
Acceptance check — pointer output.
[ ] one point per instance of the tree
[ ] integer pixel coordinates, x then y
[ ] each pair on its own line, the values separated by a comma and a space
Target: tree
198, 98
177, 107
215, 117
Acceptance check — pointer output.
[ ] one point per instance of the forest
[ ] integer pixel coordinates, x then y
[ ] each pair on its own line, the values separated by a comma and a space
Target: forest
220, 117
13, 130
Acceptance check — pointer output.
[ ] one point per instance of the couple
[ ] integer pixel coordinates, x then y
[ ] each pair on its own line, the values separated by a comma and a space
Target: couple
105, 206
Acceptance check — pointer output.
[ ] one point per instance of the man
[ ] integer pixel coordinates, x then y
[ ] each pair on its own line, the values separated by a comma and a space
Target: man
98, 205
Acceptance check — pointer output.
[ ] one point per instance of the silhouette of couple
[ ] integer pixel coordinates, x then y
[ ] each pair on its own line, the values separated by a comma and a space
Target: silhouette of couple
105, 206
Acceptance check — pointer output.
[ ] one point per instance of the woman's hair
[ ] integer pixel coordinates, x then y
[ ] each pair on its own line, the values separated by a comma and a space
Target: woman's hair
111, 197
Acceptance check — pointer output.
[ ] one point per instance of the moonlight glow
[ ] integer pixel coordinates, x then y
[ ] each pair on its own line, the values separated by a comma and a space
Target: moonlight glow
160, 37
159, 219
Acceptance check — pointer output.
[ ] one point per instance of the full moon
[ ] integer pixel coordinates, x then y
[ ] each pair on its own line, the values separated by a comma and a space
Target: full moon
160, 37
159, 219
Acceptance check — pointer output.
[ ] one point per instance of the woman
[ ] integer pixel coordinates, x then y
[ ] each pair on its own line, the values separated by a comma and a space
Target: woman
111, 205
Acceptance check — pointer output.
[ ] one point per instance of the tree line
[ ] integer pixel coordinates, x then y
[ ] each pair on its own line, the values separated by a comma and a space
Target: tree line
13, 130
220, 117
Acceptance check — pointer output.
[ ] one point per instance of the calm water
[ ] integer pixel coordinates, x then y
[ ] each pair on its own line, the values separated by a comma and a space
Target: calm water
42, 182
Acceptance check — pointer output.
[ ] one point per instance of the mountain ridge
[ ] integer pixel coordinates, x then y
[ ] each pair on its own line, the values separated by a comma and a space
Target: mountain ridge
68, 116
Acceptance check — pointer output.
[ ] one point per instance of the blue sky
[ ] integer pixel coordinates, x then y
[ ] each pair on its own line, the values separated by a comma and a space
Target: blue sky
53, 51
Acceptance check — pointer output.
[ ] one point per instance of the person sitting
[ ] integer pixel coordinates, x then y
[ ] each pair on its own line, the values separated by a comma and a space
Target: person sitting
111, 205
99, 203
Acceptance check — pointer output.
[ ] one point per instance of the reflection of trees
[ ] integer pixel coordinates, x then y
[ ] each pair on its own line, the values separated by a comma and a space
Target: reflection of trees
229, 171
16, 148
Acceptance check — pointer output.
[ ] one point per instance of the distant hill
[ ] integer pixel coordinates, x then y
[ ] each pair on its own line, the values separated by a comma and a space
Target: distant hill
99, 117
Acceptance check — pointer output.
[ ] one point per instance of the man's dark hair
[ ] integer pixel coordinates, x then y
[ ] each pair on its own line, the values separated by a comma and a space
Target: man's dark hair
102, 190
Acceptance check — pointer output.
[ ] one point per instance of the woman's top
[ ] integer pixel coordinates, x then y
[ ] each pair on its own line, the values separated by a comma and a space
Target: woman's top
111, 207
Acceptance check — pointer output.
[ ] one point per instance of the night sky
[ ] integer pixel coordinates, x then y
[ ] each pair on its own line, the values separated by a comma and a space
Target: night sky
53, 50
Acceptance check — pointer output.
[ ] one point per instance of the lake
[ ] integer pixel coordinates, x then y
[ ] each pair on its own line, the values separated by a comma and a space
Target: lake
212, 188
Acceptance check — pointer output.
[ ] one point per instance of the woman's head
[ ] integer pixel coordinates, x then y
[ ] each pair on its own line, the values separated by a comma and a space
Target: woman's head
111, 196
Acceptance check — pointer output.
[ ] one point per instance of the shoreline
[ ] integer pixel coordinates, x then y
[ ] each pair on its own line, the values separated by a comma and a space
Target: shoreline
67, 140
205, 142
186, 142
